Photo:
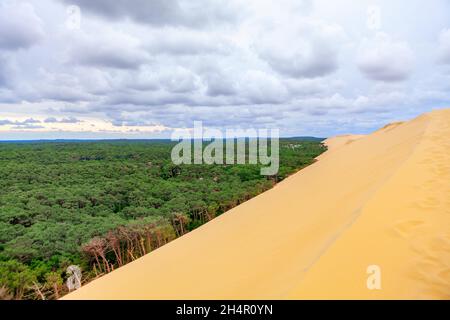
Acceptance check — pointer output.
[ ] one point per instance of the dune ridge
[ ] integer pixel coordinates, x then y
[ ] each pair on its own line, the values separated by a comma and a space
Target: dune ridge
381, 199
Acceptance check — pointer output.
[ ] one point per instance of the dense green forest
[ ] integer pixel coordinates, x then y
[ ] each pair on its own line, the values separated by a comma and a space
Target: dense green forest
99, 205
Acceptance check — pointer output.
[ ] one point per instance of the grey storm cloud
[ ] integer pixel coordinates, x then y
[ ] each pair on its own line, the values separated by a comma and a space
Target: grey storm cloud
111, 59
5, 122
192, 13
180, 80
176, 116
444, 47
383, 59
28, 127
51, 120
20, 27
8, 96
109, 53
318, 60
220, 85
5, 71
31, 123
27, 122
310, 51
254, 89
22, 124
69, 120
64, 120
177, 41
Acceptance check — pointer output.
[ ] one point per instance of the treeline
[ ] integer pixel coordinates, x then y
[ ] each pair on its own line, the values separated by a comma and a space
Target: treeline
125, 244
100, 205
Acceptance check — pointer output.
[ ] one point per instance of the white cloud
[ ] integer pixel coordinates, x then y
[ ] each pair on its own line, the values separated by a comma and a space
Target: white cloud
262, 88
110, 49
20, 27
444, 47
306, 48
5, 71
192, 13
183, 41
382, 59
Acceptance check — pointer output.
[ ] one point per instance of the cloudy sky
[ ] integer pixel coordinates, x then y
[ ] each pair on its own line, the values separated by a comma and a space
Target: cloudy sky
139, 69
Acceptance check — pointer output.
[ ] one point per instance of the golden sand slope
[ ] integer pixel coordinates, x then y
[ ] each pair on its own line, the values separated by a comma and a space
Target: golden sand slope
383, 199
339, 141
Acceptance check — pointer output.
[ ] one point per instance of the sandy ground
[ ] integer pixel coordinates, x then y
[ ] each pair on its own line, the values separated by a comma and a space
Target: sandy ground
339, 141
379, 200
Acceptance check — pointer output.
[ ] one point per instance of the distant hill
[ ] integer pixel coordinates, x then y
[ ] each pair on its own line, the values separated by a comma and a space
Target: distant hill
305, 138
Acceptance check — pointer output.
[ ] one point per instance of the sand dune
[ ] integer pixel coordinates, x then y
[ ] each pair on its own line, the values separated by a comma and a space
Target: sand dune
337, 142
381, 199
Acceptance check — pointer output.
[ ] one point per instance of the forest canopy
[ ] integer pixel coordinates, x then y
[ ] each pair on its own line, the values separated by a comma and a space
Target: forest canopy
102, 204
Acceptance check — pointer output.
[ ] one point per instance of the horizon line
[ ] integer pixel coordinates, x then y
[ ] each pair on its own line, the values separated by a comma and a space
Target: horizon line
136, 139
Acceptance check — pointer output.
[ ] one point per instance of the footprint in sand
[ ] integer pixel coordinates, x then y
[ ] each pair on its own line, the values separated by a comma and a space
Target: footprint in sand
427, 203
406, 228
432, 268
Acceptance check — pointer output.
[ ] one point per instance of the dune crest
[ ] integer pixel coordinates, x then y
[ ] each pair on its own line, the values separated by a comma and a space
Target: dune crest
381, 200
337, 142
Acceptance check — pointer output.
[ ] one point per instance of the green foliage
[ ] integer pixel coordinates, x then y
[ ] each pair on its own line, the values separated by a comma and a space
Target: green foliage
17, 277
56, 197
